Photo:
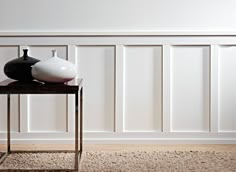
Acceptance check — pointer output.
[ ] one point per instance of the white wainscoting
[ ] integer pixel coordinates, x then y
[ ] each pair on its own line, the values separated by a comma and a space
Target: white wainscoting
137, 89
227, 85
190, 88
97, 65
142, 88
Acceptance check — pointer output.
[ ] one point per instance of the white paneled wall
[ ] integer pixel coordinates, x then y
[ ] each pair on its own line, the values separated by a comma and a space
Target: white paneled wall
227, 91
190, 88
97, 65
48, 110
142, 88
152, 89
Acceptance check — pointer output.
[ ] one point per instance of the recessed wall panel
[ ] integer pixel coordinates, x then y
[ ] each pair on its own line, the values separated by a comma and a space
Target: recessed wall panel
96, 65
227, 88
8, 53
142, 88
47, 112
190, 88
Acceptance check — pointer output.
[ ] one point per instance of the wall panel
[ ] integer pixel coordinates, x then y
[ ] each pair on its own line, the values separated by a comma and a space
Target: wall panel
190, 88
142, 88
96, 65
227, 88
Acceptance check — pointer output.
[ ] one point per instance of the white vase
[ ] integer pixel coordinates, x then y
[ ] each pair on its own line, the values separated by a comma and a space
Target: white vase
54, 70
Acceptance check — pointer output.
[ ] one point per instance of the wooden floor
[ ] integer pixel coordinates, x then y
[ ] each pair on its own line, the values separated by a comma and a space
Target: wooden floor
127, 147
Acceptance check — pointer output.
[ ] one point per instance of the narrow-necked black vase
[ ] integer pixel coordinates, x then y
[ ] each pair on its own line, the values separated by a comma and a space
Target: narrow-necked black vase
20, 68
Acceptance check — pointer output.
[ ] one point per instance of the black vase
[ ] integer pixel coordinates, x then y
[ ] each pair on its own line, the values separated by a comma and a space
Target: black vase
20, 68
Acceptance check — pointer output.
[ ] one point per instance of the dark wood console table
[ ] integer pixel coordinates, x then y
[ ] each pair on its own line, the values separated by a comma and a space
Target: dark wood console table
9, 87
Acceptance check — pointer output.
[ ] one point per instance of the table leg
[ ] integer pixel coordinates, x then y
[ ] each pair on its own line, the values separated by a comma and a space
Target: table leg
8, 131
81, 121
76, 131
8, 125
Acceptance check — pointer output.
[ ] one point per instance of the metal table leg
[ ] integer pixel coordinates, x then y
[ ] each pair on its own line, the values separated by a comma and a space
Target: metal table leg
81, 121
8, 125
76, 131
78, 105
8, 130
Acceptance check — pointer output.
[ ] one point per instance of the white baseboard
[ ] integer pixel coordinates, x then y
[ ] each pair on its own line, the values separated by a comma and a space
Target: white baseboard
123, 138
124, 141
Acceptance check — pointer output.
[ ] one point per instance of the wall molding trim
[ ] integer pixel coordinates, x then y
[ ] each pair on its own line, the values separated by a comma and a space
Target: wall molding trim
119, 33
123, 138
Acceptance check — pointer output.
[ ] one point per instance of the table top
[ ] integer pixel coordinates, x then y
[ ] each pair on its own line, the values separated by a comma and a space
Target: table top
35, 87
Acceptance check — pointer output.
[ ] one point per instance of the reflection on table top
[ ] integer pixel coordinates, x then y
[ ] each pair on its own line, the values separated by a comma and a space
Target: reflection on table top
35, 87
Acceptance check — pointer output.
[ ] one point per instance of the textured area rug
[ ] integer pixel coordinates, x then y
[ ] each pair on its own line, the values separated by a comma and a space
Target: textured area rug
138, 161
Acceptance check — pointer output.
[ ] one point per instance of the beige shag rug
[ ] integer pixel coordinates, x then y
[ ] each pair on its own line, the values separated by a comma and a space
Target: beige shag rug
138, 161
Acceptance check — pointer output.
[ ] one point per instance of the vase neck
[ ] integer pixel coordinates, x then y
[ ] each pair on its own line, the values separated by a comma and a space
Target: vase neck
54, 53
25, 54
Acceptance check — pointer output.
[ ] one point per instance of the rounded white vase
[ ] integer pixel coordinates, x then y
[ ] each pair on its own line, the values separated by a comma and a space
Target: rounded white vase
54, 70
